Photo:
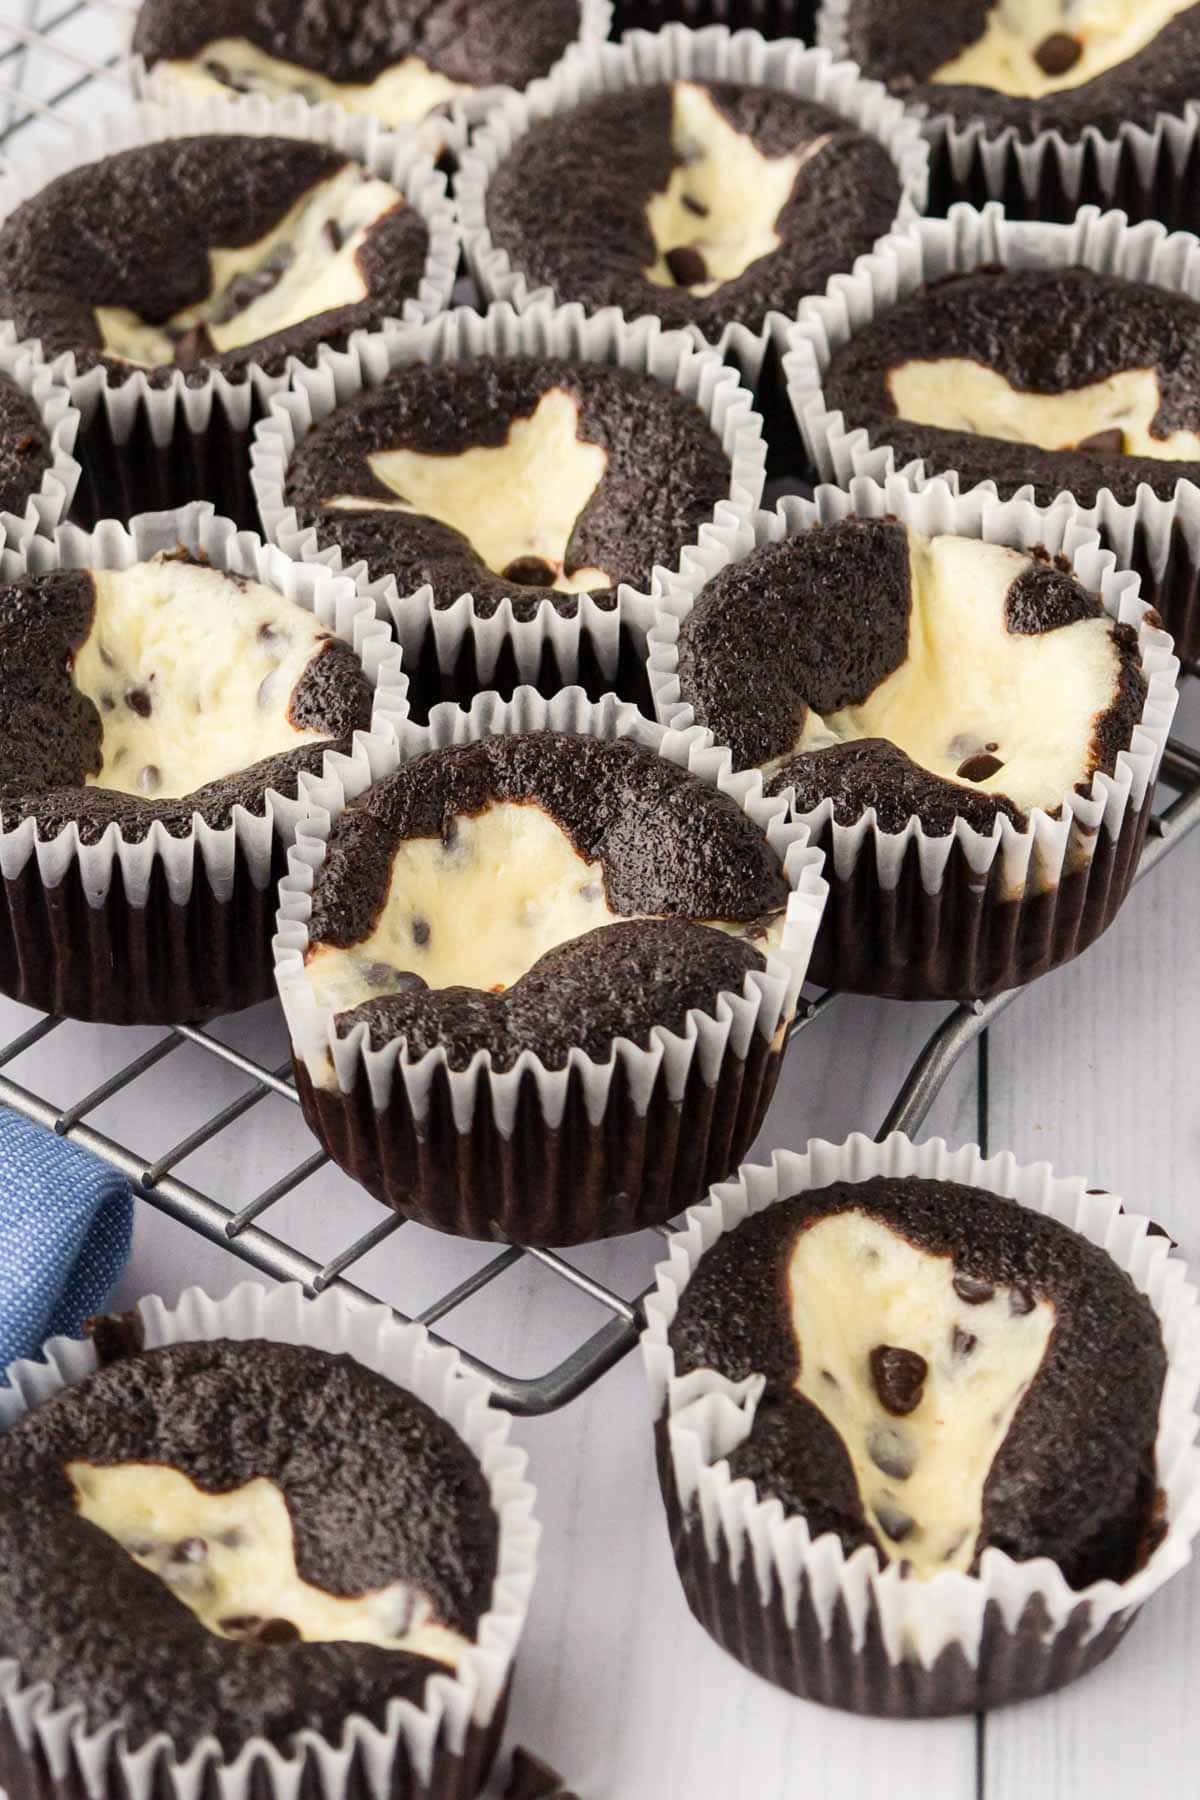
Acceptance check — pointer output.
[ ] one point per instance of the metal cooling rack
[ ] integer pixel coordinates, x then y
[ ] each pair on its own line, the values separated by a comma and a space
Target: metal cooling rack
58, 61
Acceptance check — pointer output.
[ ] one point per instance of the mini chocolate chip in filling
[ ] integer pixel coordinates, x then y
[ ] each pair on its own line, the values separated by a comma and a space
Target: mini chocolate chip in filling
192, 348
241, 1624
899, 1377
962, 1342
334, 234
1058, 53
138, 700
149, 779
1104, 443
277, 1631
979, 768
688, 268
695, 206
896, 1524
189, 1550
891, 1452
529, 571
251, 285
973, 1291
421, 931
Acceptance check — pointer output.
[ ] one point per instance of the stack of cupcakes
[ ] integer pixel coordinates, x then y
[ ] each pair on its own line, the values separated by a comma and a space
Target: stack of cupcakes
537, 768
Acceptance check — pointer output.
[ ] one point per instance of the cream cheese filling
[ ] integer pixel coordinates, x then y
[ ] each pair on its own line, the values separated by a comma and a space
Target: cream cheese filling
955, 393
970, 688
231, 1558
406, 92
511, 501
477, 910
855, 1287
192, 674
723, 200
315, 249
1103, 34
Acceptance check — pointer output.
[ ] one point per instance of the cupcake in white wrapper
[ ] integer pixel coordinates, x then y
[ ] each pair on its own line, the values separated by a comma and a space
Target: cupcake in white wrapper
1135, 150
157, 436
676, 55
115, 910
598, 1089
453, 644
977, 907
40, 499
1149, 515
439, 1749
847, 1628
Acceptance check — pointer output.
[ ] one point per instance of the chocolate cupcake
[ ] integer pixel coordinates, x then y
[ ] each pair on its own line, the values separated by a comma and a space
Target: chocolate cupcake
959, 1456
538, 980
513, 511
1052, 361
206, 261
395, 59
38, 428
1046, 108
970, 730
165, 723
735, 176
291, 1587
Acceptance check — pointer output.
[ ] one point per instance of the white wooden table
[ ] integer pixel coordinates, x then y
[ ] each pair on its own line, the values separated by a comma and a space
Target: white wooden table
1094, 1070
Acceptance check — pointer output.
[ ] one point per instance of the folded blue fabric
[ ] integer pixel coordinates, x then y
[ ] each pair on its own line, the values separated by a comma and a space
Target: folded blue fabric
66, 1225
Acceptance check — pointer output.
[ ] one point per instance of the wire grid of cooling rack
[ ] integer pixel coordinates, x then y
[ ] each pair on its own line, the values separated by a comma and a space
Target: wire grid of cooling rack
54, 61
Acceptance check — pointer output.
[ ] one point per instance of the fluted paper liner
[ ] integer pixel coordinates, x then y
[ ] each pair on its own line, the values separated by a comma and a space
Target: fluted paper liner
677, 54
49, 506
436, 1751
469, 650
1148, 169
839, 1628
1158, 537
967, 914
80, 922
445, 131
193, 431
543, 1155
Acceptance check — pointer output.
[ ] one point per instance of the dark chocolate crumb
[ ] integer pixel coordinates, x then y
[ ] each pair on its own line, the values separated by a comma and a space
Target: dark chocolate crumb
1020, 1302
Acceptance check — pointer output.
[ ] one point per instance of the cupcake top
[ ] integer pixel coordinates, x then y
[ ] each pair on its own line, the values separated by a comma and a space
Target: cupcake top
396, 59
25, 451
286, 1537
162, 691
1053, 66
945, 1372
209, 252
1059, 379
939, 678
538, 892
700, 202
512, 478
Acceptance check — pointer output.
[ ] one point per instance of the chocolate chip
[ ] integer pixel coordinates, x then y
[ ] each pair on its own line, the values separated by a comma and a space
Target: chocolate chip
232, 1539
686, 265
251, 285
223, 73
149, 779
978, 768
116, 1335
334, 234
591, 891
241, 1624
105, 658
973, 1291
270, 635
530, 571
899, 1377
189, 1550
107, 703
138, 700
193, 347
891, 1453
277, 1631
1020, 1302
695, 206
1058, 53
962, 1342
829, 1376
385, 979
896, 1524
1104, 443
421, 931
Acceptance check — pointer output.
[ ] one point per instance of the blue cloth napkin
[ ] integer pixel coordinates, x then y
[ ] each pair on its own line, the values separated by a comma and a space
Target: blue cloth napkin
66, 1225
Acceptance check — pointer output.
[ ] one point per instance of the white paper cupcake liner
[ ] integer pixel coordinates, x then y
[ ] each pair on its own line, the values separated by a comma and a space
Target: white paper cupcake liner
838, 1628
144, 445
444, 133
436, 1751
1147, 169
1157, 537
169, 927
967, 914
50, 505
457, 649
677, 54
533, 1154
